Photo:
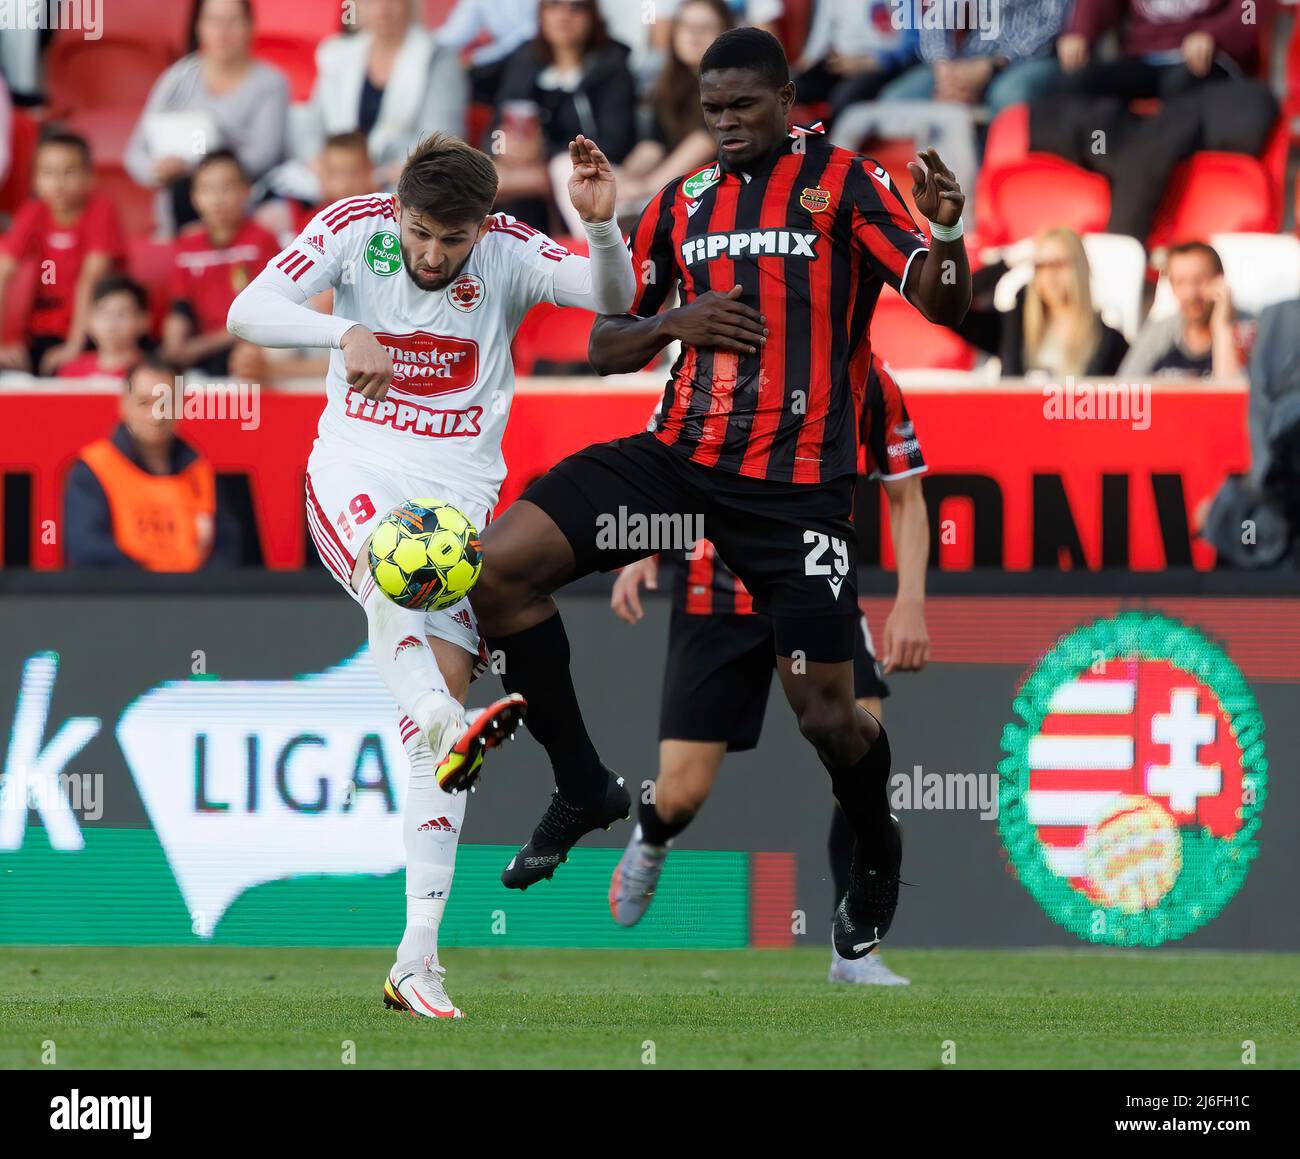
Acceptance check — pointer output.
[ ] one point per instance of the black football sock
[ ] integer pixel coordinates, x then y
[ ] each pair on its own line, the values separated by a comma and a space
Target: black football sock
863, 793
536, 664
654, 829
840, 847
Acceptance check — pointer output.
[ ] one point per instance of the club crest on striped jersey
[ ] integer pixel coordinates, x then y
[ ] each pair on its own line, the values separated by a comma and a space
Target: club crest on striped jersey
1133, 781
466, 293
696, 184
383, 253
815, 199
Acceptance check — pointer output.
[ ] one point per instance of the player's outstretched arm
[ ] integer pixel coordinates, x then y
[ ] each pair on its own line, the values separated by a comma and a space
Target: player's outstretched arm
602, 282
625, 599
906, 641
939, 285
713, 321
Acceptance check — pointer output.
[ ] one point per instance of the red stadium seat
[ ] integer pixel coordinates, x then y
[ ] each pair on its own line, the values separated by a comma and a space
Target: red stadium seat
99, 74
1037, 192
150, 263
551, 335
22, 149
295, 56
1291, 102
134, 203
906, 340
1215, 193
436, 11
165, 24
107, 131
311, 20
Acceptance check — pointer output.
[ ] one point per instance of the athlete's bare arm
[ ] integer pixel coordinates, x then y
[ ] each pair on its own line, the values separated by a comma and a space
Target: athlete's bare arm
938, 283
626, 343
906, 643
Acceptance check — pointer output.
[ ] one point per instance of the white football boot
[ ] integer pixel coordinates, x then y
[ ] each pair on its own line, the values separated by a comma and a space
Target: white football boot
416, 987
632, 884
869, 970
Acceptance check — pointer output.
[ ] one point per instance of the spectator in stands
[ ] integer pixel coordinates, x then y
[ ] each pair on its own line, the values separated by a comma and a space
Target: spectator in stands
1005, 64
343, 170
72, 236
1196, 58
678, 140
490, 30
216, 97
119, 322
142, 497
571, 79
1207, 337
1053, 329
853, 51
215, 259
391, 80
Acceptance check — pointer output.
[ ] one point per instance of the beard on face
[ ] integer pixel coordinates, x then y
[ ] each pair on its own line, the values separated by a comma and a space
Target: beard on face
441, 283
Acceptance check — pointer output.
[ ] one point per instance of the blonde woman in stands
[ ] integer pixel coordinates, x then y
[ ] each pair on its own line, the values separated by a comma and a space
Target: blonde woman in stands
1053, 329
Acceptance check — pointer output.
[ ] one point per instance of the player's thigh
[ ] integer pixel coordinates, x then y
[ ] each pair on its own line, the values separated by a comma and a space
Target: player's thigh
346, 498
795, 549
717, 680
617, 502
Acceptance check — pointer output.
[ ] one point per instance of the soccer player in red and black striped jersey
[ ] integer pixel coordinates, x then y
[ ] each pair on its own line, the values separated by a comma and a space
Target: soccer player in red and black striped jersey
720, 661
778, 252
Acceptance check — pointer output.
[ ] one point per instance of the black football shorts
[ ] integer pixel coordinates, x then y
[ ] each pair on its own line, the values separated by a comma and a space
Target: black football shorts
719, 676
791, 544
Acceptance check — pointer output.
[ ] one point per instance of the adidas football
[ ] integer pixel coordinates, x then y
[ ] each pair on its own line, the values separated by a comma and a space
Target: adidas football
424, 554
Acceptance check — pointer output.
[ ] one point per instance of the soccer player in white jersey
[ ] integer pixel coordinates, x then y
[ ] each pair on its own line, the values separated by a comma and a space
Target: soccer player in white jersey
429, 289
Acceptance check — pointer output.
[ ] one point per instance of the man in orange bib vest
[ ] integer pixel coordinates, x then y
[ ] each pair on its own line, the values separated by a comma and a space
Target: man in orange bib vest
142, 497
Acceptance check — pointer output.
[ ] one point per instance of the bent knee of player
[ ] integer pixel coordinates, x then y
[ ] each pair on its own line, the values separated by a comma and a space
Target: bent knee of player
829, 723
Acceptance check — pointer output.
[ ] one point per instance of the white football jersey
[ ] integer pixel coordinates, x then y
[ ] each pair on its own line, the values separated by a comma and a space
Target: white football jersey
454, 379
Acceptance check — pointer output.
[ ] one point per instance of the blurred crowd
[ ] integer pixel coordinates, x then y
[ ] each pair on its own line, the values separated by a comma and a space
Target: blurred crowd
235, 150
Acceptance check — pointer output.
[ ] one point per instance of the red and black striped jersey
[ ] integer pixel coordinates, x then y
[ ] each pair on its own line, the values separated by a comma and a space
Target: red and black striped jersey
811, 234
705, 586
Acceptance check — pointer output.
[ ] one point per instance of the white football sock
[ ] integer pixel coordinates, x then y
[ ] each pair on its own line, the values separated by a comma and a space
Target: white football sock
431, 825
409, 668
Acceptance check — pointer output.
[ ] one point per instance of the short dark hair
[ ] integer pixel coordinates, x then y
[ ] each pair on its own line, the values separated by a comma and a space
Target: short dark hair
356, 140
221, 157
150, 362
1196, 247
752, 48
57, 136
448, 180
120, 284
197, 14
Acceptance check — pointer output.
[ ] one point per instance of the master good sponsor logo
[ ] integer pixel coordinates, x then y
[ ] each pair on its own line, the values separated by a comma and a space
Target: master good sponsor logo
427, 364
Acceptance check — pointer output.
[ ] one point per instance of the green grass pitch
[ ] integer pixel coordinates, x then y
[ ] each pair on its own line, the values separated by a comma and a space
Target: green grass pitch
229, 1007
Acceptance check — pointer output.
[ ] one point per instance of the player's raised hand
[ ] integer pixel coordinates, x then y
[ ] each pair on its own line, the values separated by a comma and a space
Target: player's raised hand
592, 188
935, 190
719, 321
625, 600
369, 367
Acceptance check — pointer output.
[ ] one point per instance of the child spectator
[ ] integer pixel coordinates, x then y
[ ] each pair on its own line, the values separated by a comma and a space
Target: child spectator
343, 170
215, 259
142, 497
119, 320
74, 237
